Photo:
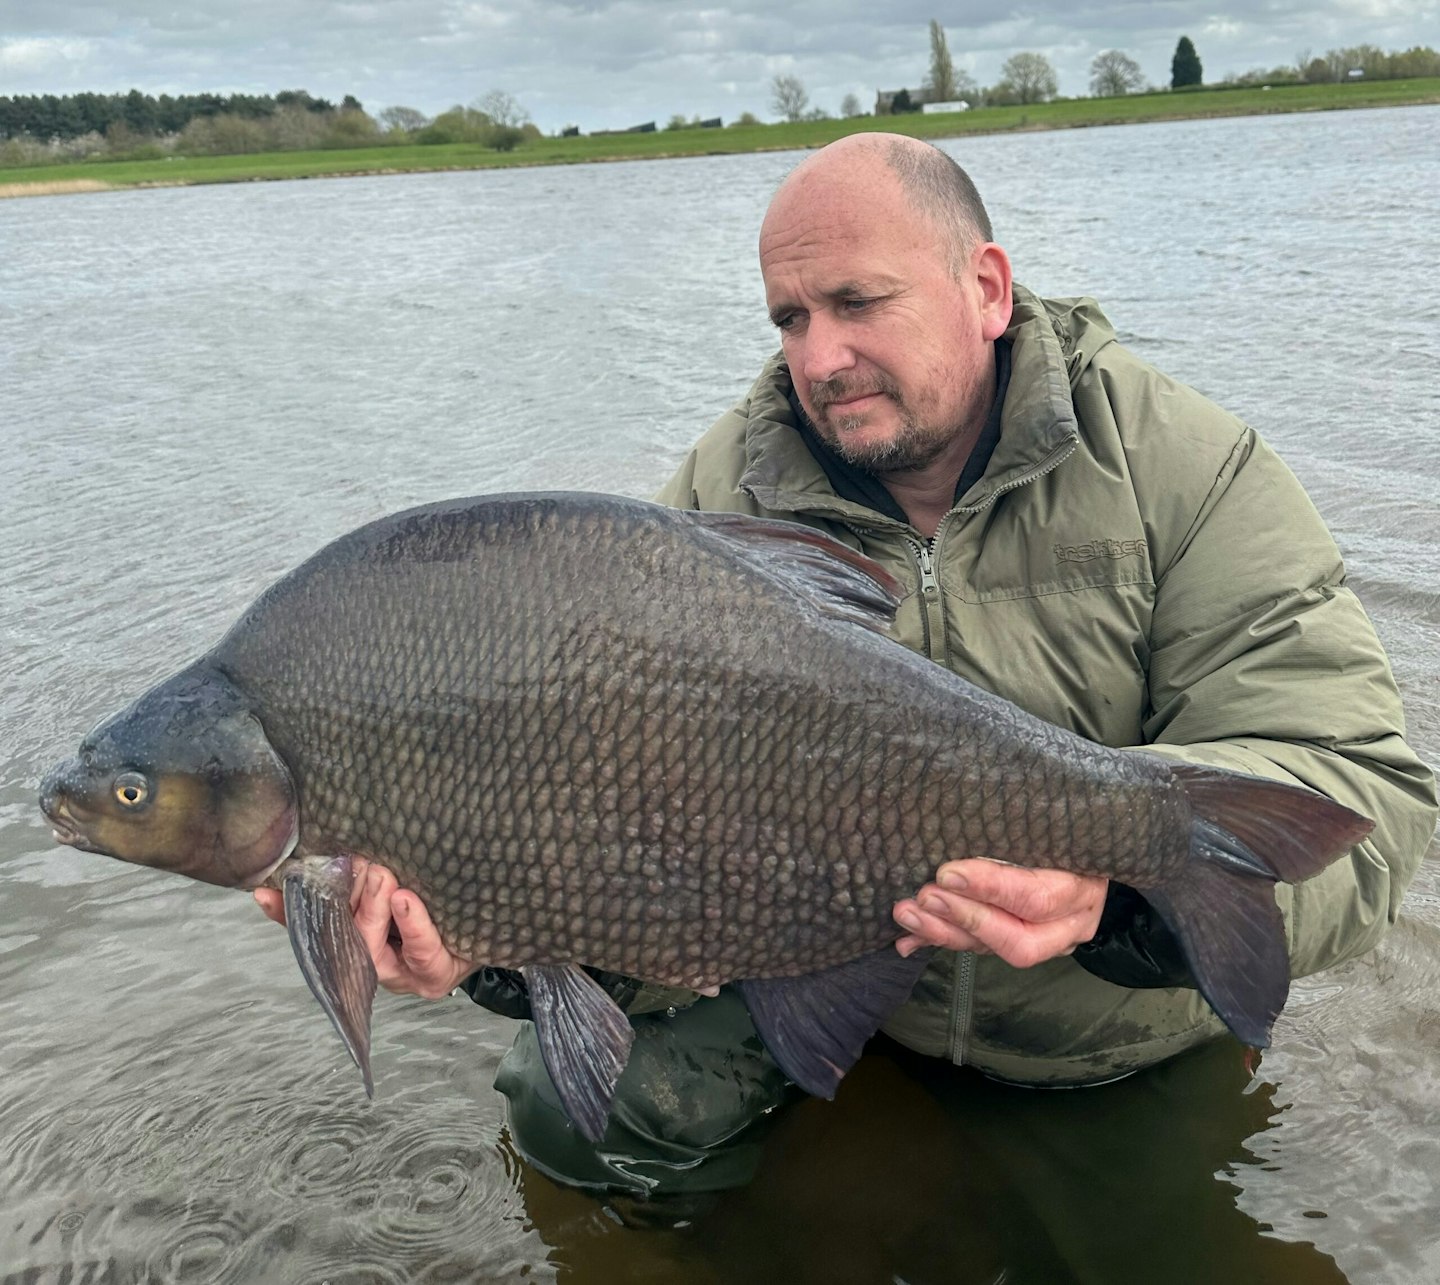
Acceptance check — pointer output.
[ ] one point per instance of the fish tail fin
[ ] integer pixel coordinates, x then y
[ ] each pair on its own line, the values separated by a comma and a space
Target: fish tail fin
1248, 832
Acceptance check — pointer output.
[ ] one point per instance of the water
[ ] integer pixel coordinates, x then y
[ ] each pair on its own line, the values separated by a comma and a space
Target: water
202, 386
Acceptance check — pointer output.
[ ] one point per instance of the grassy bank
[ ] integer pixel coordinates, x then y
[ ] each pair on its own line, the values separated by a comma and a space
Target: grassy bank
1066, 114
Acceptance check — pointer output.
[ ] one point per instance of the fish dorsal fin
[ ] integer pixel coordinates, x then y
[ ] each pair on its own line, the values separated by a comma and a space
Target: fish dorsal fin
815, 1026
840, 582
584, 1040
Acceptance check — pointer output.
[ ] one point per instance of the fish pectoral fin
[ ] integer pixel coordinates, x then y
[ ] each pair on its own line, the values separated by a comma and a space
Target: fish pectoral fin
333, 958
584, 1040
816, 1025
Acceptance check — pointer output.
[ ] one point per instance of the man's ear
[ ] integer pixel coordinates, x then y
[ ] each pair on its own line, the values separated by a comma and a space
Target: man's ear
993, 280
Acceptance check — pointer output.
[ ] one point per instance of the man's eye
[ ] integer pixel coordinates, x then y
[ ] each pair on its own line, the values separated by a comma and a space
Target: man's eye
787, 322
858, 305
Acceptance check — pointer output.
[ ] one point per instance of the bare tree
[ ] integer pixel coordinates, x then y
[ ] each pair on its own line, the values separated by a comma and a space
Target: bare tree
1031, 76
1113, 75
502, 109
406, 119
850, 107
941, 82
788, 97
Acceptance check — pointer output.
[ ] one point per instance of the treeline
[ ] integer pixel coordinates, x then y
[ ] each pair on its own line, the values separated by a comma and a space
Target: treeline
1357, 62
134, 126
68, 116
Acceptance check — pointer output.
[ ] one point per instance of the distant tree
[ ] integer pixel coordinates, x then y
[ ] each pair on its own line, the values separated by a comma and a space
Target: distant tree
677, 121
504, 138
1114, 74
458, 125
940, 84
850, 107
223, 136
901, 103
1031, 76
140, 113
1419, 60
351, 104
297, 128
297, 98
746, 118
788, 97
351, 127
404, 119
501, 108
1185, 69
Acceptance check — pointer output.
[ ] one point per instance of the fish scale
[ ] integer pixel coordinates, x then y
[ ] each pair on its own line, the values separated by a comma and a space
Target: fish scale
591, 731
814, 763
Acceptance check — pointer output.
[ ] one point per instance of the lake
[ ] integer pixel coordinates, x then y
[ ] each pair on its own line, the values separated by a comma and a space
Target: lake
203, 385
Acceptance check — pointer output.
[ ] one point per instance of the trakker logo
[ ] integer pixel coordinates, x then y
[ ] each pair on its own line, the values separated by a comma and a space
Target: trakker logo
1093, 549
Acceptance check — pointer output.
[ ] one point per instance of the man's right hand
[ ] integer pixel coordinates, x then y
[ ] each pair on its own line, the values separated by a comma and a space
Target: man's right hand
410, 958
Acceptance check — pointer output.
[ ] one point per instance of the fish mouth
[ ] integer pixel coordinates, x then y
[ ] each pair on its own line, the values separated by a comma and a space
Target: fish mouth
65, 828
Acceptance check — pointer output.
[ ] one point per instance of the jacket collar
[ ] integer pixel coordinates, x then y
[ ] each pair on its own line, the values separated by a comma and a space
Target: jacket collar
1051, 345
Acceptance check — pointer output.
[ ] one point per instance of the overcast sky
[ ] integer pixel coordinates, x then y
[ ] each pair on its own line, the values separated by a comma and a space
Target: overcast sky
599, 63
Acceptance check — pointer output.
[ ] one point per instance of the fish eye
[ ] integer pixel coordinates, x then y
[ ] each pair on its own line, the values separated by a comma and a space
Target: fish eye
131, 789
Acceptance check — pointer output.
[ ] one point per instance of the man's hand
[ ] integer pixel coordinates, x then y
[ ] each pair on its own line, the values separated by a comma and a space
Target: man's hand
410, 958
1025, 916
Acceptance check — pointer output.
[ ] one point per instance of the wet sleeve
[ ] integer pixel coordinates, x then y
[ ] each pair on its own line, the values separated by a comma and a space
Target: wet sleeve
1263, 661
1133, 946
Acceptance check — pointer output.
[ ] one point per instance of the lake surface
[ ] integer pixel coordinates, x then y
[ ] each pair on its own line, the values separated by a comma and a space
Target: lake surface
199, 387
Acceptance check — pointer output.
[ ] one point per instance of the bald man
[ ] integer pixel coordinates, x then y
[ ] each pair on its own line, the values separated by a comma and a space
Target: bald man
1077, 533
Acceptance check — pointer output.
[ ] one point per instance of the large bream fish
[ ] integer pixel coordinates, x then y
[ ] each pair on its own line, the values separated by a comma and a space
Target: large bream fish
593, 731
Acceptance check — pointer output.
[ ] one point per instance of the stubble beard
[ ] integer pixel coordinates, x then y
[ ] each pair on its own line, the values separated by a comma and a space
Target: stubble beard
914, 446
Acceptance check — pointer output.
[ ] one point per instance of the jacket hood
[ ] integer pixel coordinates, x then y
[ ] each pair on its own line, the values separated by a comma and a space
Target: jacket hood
1052, 343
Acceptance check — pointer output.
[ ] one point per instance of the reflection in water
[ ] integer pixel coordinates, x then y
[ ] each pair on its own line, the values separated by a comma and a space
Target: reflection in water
933, 1175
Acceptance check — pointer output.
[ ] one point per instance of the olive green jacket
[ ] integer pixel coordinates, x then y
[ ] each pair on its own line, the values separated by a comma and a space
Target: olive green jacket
1135, 565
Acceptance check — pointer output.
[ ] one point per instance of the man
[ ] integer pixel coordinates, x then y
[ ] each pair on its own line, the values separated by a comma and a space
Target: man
1077, 533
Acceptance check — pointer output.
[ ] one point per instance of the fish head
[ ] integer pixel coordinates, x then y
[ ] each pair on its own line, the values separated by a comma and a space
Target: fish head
183, 780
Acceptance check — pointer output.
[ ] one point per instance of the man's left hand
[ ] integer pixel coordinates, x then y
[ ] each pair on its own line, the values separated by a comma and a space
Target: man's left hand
1025, 916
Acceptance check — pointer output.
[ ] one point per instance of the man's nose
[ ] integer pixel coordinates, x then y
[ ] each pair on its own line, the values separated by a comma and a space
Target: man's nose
827, 348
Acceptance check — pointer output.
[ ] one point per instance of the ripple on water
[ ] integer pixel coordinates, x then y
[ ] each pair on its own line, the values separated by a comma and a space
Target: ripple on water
1356, 1065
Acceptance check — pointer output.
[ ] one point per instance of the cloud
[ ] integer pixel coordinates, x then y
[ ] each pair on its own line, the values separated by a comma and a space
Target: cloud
615, 62
41, 56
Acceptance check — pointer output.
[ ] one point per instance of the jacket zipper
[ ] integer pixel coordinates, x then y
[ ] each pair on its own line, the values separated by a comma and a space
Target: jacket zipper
962, 1001
962, 986
932, 609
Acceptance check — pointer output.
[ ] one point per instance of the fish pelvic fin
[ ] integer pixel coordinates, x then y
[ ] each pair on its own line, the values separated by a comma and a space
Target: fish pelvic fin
584, 1041
816, 1026
833, 577
332, 957
1247, 833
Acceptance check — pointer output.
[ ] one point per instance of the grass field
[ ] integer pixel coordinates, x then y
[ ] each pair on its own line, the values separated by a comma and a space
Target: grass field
409, 158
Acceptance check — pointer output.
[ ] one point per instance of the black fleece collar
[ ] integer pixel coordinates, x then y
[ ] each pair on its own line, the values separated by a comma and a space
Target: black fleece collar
860, 487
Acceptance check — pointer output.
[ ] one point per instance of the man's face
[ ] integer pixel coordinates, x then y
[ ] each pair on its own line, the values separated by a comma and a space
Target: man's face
884, 342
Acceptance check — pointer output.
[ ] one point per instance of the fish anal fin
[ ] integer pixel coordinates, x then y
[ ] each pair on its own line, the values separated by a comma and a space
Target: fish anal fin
332, 957
584, 1040
816, 1025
